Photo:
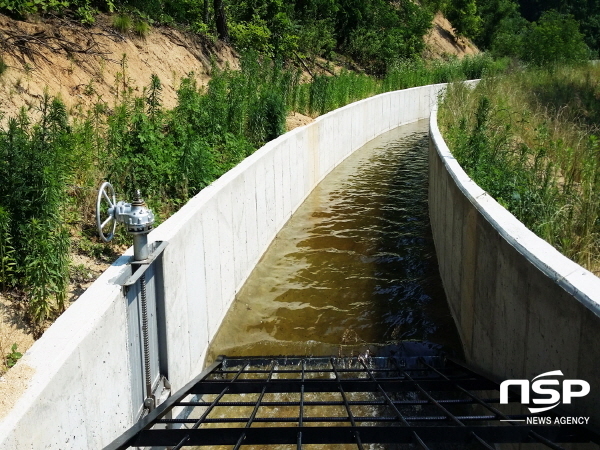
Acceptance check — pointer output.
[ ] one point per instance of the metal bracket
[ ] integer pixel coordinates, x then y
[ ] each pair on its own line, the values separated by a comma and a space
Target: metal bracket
139, 267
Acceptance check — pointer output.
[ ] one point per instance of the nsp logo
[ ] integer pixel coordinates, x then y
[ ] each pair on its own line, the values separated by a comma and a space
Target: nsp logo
538, 386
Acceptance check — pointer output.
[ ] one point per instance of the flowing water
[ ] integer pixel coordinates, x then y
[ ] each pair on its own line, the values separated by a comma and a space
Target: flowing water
354, 269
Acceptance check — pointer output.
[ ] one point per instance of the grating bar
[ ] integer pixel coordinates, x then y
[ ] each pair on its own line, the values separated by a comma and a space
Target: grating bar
434, 401
384, 400
342, 435
483, 403
348, 410
419, 441
337, 419
350, 402
301, 418
483, 443
253, 415
329, 385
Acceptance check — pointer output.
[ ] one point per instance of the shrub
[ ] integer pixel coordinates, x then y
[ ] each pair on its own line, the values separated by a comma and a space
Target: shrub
141, 28
555, 38
254, 35
122, 22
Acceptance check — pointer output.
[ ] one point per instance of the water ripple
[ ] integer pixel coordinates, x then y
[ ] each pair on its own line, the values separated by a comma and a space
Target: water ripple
354, 265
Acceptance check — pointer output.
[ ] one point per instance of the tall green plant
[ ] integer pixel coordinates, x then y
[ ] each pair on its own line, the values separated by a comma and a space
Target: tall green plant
8, 262
524, 142
33, 195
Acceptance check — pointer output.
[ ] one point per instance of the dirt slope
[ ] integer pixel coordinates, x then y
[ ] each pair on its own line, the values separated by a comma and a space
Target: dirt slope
442, 41
81, 64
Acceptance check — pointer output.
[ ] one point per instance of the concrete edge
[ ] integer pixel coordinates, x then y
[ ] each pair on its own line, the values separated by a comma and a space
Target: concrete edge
63, 338
573, 278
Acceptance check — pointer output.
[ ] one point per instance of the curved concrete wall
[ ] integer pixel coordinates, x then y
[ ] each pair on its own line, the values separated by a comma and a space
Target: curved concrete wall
521, 307
75, 380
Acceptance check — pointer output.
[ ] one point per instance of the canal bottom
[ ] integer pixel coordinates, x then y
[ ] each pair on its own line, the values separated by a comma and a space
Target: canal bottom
354, 270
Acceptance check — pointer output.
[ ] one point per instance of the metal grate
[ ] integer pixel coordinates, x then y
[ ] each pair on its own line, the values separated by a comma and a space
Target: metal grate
361, 400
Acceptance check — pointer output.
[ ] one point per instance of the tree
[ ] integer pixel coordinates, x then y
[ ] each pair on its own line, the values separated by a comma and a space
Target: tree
509, 38
221, 22
494, 13
553, 39
586, 12
464, 17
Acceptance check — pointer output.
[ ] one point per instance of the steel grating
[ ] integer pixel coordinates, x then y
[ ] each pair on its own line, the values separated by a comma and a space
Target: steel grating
409, 402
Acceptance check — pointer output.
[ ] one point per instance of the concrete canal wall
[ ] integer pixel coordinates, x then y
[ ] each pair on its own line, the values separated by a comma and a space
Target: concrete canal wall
72, 389
522, 308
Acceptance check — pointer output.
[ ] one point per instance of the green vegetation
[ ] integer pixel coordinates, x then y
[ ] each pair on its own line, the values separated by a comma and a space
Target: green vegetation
530, 139
122, 22
51, 167
530, 30
555, 38
375, 34
11, 358
141, 28
35, 161
586, 13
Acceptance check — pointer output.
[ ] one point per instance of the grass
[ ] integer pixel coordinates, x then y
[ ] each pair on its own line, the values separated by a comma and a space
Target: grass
530, 139
141, 28
327, 93
122, 22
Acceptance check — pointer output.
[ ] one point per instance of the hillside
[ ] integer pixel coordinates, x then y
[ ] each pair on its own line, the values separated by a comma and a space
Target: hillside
82, 64
442, 41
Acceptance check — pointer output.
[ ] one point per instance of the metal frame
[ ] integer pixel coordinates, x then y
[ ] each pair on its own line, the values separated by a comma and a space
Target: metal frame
143, 291
384, 400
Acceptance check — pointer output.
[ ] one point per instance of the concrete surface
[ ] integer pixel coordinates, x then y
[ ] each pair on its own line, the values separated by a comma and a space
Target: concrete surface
78, 395
521, 307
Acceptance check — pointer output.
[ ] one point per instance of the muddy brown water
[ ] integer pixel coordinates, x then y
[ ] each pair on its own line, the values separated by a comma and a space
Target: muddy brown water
354, 269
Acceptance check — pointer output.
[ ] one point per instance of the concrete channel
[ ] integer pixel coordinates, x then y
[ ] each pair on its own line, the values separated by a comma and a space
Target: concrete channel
77, 380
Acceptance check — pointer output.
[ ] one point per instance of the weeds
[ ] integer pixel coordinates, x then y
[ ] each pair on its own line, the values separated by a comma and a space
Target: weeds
141, 28
79, 273
11, 358
122, 22
7, 252
35, 240
534, 148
